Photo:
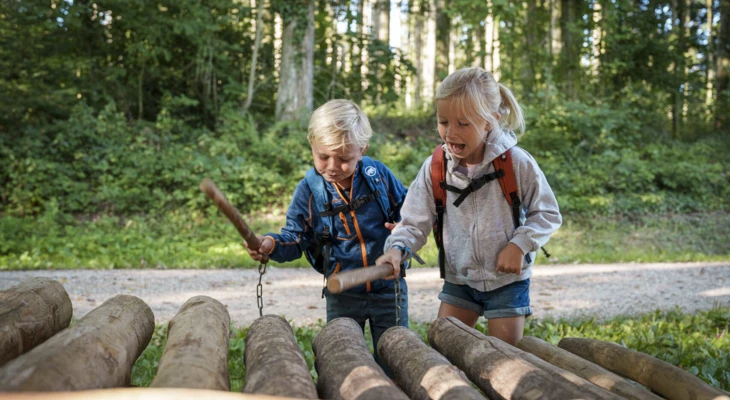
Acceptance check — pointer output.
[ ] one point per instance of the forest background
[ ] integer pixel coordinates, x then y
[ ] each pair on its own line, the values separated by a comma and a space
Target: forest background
113, 111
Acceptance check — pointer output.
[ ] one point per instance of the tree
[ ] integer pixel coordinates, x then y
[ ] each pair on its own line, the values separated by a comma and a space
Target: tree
297, 59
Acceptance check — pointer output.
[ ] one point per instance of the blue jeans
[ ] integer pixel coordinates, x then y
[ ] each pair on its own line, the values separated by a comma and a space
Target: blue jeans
511, 300
378, 308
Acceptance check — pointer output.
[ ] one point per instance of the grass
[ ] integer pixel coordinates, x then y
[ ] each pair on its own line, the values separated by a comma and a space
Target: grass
192, 240
698, 343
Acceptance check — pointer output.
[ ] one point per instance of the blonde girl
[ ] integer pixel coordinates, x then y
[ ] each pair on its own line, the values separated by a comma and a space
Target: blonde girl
488, 255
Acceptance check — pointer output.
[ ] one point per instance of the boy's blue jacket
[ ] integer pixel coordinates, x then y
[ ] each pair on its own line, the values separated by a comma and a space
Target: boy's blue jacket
357, 237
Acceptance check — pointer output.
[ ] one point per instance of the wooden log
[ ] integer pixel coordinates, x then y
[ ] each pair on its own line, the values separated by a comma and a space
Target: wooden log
30, 313
503, 371
275, 365
97, 352
661, 377
422, 372
196, 354
585, 369
345, 366
140, 394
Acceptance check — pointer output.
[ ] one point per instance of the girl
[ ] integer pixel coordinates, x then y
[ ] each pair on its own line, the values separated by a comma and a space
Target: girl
487, 248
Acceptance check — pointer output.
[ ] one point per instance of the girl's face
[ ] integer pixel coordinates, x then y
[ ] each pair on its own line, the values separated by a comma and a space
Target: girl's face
463, 139
337, 165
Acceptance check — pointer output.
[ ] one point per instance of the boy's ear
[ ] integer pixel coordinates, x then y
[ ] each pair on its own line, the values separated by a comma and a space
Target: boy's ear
364, 150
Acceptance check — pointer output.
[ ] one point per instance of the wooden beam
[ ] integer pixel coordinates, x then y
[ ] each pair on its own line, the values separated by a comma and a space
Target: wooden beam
97, 352
275, 365
30, 313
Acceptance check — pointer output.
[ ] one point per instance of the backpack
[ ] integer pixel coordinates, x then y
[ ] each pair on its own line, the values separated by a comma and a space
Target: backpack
503, 172
319, 257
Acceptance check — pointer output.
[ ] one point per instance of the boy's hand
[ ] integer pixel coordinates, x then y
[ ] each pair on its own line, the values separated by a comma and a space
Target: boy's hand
267, 246
392, 257
510, 259
390, 226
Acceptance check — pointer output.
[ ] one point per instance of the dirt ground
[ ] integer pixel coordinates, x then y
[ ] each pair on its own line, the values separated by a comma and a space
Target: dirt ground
602, 291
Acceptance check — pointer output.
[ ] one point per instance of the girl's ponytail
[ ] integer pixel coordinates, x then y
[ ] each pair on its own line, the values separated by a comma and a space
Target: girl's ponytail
512, 115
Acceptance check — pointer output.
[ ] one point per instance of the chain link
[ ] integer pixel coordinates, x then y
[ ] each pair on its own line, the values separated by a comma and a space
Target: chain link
398, 301
260, 290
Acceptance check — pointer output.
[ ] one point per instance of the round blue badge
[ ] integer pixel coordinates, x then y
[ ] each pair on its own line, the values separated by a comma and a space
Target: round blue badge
370, 171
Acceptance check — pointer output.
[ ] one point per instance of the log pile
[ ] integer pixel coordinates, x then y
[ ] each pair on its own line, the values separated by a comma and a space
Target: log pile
43, 357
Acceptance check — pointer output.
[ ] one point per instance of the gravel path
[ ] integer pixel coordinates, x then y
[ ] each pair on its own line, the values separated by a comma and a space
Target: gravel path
556, 291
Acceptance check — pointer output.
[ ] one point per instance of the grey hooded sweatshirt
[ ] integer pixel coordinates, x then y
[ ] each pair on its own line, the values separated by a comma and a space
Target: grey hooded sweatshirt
477, 230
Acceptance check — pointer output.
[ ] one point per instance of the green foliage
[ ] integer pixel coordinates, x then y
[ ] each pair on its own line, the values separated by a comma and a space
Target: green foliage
695, 342
197, 240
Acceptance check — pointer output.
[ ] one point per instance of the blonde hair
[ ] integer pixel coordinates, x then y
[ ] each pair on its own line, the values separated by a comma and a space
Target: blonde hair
479, 96
339, 123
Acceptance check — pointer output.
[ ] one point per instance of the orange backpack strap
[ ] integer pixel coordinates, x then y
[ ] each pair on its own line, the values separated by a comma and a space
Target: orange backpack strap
509, 184
438, 176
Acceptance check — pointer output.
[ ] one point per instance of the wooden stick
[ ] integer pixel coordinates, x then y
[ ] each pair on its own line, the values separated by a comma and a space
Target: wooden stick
342, 281
231, 212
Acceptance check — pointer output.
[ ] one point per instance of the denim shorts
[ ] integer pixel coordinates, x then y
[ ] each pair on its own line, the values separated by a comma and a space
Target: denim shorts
511, 300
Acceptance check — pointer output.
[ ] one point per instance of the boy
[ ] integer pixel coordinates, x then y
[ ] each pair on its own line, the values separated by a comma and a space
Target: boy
340, 215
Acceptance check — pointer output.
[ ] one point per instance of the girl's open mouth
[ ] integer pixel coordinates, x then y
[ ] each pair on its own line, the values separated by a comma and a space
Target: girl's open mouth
457, 148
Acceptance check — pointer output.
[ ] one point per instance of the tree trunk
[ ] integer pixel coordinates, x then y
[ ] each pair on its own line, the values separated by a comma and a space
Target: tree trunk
256, 46
570, 54
503, 371
661, 377
421, 371
296, 72
274, 362
196, 354
381, 20
443, 40
556, 42
586, 370
429, 53
722, 60
345, 366
417, 58
30, 313
97, 352
143, 394
710, 69
596, 36
489, 38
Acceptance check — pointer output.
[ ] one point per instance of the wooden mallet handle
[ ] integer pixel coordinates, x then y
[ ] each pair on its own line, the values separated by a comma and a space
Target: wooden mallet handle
231, 212
342, 281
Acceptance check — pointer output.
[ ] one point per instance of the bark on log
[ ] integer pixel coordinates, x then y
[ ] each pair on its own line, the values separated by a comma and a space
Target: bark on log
196, 354
422, 372
503, 371
661, 377
97, 352
141, 394
275, 365
30, 313
345, 366
585, 369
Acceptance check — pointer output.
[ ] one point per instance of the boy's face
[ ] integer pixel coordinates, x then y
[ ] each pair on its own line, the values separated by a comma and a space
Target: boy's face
337, 165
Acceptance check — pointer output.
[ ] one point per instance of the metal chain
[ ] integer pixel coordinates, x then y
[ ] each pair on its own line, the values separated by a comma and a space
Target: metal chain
398, 301
260, 290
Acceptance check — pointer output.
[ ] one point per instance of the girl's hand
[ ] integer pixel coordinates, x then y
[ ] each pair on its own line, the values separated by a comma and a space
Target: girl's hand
392, 257
266, 247
510, 259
